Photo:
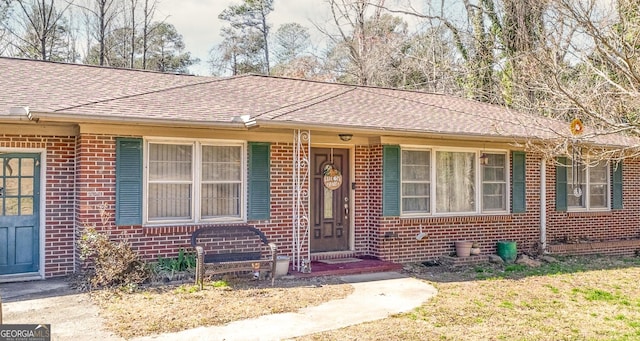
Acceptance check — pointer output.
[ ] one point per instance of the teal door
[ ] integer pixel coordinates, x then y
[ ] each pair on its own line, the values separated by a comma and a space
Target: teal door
19, 213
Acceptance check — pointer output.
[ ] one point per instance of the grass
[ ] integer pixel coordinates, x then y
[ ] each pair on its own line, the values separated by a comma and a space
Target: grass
578, 298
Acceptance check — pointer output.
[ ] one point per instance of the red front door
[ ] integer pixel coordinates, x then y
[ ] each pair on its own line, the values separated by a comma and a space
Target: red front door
330, 200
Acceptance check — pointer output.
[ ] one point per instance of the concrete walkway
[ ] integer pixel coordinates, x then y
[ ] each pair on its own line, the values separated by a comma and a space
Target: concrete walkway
376, 296
73, 317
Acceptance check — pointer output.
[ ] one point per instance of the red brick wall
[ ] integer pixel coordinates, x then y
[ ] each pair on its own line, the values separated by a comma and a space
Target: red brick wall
59, 211
279, 229
597, 226
389, 238
96, 202
394, 238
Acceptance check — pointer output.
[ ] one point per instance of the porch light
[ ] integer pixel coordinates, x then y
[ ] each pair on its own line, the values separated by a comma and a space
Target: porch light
484, 159
345, 137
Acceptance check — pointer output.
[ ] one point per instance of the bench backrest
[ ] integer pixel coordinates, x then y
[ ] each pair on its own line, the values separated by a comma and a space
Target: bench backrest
230, 242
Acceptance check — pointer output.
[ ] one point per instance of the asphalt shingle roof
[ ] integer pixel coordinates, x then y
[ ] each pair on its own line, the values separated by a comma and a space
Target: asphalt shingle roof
108, 93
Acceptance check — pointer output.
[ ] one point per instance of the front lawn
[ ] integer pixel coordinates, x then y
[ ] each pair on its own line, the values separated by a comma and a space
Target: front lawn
579, 298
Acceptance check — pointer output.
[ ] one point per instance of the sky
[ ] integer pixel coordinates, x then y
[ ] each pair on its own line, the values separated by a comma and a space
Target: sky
197, 21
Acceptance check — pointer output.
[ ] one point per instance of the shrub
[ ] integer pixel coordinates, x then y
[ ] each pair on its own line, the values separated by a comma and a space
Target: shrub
109, 263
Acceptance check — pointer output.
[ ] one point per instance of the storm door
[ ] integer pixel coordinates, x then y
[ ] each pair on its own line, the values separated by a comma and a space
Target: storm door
330, 200
19, 213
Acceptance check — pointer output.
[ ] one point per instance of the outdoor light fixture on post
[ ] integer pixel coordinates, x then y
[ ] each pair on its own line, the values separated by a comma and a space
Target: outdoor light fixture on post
345, 137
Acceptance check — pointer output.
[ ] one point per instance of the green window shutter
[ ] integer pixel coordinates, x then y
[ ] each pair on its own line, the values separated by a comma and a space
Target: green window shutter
561, 184
259, 181
128, 181
616, 202
518, 188
391, 180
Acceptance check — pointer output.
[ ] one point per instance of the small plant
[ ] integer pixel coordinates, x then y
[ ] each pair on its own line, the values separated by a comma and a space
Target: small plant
168, 267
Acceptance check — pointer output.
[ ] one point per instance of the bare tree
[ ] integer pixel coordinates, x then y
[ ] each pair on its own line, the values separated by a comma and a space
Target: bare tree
39, 30
101, 15
591, 72
148, 12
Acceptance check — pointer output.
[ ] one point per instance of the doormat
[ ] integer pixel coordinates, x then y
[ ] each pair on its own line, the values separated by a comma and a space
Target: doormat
340, 260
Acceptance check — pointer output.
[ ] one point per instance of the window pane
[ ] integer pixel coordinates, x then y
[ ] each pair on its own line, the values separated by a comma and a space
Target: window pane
598, 173
598, 185
415, 205
11, 206
598, 196
26, 186
494, 183
416, 189
494, 197
576, 186
220, 200
221, 163
169, 201
26, 206
27, 167
169, 162
455, 187
416, 181
415, 165
328, 203
495, 169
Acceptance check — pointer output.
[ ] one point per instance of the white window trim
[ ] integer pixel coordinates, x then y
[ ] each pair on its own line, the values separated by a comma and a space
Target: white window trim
478, 181
586, 195
197, 176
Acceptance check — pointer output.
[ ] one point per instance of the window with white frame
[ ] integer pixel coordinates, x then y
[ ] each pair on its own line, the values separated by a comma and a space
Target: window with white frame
494, 182
194, 181
588, 186
416, 181
460, 182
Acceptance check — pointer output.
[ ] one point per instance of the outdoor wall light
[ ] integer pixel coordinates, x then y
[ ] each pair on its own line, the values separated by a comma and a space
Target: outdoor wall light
345, 137
484, 159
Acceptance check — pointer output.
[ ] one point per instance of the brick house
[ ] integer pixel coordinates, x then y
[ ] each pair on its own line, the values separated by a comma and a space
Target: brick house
325, 170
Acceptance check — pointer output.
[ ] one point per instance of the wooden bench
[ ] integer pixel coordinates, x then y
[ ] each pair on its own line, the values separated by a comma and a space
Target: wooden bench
232, 248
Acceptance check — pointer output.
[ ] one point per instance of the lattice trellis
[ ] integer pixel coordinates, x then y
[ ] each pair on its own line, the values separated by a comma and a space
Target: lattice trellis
301, 182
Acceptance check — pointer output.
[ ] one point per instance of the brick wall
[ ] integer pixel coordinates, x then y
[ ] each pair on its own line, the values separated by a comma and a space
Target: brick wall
574, 227
394, 238
389, 238
59, 202
96, 185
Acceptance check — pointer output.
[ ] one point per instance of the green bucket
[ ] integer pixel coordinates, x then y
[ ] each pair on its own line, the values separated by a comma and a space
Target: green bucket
507, 250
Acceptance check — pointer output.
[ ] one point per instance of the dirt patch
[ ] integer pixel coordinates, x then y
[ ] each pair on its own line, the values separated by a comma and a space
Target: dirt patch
172, 308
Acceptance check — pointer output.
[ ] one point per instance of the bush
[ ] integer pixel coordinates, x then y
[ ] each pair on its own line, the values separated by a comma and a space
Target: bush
109, 263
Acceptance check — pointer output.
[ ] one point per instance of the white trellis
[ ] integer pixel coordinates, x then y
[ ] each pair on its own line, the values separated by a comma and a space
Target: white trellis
301, 202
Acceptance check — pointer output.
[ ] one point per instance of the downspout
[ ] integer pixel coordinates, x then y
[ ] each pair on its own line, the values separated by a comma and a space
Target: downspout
543, 205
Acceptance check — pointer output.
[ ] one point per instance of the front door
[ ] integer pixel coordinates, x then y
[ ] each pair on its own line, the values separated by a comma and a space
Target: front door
330, 200
19, 213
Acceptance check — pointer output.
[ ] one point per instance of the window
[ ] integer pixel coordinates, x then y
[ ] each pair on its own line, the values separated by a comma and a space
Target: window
194, 181
494, 183
455, 186
588, 186
416, 181
460, 182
